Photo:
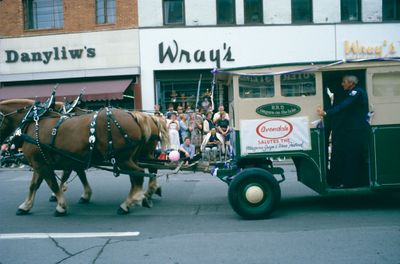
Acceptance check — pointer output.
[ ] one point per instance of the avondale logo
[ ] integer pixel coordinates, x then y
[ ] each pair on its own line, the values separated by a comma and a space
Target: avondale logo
274, 129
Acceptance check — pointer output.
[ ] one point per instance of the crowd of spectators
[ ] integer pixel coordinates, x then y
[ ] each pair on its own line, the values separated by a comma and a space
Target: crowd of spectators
208, 132
9, 157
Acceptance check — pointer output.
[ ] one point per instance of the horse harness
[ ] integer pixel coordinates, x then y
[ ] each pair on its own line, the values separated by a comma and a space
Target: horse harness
111, 155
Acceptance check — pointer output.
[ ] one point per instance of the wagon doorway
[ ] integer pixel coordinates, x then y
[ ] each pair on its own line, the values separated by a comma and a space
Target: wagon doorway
338, 167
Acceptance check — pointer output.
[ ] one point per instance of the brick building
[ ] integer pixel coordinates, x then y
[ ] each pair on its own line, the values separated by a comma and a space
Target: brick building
78, 44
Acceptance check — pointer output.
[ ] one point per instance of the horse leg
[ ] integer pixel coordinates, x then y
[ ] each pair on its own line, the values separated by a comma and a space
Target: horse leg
135, 195
26, 206
87, 190
63, 186
153, 187
49, 177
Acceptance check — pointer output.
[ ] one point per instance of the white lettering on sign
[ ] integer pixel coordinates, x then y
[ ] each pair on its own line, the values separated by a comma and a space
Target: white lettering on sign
275, 134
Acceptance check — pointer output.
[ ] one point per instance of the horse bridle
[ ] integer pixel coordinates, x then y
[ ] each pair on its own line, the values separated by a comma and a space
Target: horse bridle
3, 116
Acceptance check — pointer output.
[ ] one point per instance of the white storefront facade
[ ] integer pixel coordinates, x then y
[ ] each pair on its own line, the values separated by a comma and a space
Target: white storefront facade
174, 57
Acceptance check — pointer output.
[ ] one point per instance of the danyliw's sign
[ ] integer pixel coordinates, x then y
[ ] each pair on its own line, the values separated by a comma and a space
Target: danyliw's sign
56, 54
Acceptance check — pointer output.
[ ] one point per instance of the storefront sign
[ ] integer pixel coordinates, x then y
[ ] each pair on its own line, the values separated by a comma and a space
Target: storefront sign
359, 50
276, 134
75, 55
278, 109
56, 53
175, 54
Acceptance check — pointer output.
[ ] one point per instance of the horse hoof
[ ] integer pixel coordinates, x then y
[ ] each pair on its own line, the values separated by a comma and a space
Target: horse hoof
146, 202
60, 214
22, 212
53, 199
158, 191
83, 201
121, 211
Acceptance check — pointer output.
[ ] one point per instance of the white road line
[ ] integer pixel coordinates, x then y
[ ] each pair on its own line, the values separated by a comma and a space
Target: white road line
67, 235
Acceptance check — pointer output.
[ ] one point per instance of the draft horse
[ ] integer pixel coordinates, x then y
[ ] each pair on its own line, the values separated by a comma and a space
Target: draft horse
107, 135
156, 131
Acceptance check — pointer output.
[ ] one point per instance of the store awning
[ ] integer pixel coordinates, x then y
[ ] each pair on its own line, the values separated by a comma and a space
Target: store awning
96, 90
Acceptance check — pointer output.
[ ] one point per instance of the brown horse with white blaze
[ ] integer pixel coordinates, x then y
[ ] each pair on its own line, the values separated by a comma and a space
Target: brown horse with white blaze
116, 133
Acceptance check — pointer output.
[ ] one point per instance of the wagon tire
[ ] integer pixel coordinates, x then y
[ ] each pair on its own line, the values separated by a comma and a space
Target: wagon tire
254, 193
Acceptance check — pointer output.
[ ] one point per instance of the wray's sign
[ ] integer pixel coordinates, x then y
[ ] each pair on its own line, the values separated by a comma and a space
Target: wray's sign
176, 54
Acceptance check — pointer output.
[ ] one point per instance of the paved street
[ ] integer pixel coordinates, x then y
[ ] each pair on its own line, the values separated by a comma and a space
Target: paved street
193, 223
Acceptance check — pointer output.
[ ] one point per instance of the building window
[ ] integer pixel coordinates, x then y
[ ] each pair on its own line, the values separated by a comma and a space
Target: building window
105, 11
253, 11
225, 12
302, 11
390, 10
256, 86
350, 10
43, 14
174, 12
298, 84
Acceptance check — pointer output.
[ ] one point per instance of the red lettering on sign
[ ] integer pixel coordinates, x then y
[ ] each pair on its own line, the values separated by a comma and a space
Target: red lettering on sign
274, 129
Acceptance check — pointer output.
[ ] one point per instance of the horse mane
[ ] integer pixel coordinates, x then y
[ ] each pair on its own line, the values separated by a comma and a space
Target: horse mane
162, 128
144, 123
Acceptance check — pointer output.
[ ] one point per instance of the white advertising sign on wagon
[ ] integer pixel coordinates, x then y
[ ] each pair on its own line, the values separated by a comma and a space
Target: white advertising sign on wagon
274, 134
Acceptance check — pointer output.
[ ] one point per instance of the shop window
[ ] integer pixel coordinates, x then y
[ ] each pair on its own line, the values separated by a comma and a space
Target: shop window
386, 84
350, 10
185, 93
390, 10
43, 14
225, 12
302, 11
256, 86
105, 11
298, 84
253, 12
173, 12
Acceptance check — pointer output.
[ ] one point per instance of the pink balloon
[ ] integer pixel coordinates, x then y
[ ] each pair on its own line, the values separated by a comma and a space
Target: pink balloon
174, 155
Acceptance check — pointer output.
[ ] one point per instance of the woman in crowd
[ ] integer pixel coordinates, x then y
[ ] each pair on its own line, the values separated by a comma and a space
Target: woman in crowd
195, 128
173, 128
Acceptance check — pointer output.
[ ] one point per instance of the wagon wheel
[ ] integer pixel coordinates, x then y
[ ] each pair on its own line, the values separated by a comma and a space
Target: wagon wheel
254, 193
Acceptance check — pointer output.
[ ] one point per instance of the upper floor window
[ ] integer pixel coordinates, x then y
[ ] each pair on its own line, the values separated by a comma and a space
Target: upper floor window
105, 11
174, 12
350, 10
225, 12
253, 11
43, 14
302, 11
390, 10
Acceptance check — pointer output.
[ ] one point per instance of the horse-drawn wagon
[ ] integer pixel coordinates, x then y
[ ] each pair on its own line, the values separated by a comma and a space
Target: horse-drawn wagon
272, 112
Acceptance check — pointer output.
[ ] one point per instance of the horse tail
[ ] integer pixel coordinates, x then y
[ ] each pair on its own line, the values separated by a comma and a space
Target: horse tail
144, 124
163, 131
